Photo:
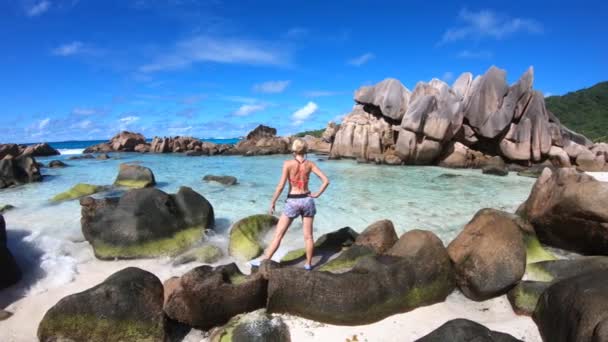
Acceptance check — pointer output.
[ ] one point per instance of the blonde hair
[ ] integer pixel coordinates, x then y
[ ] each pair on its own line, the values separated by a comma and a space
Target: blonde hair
299, 146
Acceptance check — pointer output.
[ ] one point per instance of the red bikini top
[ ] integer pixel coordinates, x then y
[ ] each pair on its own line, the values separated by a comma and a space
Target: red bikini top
300, 178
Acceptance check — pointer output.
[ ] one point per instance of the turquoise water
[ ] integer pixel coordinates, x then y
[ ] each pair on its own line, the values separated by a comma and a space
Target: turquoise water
359, 194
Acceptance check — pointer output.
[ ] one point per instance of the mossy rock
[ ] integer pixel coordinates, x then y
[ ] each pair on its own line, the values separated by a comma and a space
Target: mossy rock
77, 191
256, 326
327, 244
207, 254
135, 176
127, 306
246, 233
540, 275
524, 296
535, 251
171, 246
5, 208
347, 259
134, 184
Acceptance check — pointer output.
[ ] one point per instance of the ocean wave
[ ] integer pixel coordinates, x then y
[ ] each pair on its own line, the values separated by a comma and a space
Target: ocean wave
65, 151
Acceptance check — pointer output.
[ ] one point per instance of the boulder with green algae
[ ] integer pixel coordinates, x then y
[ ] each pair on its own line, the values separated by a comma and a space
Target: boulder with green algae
134, 176
574, 309
325, 246
77, 191
347, 259
206, 297
5, 208
540, 275
245, 236
257, 326
535, 252
207, 254
127, 306
489, 254
375, 288
145, 223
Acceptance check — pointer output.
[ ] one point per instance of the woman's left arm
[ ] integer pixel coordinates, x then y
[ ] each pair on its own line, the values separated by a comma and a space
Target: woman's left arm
315, 169
279, 189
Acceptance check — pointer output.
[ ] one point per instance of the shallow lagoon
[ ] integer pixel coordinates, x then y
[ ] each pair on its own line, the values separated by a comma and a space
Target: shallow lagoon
438, 199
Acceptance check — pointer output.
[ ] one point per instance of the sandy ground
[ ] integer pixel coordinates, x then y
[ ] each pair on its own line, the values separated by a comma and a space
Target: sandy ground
495, 314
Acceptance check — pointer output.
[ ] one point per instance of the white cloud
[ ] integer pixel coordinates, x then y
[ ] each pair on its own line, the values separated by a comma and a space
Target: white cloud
488, 24
218, 50
271, 87
321, 93
69, 49
38, 8
302, 114
127, 120
248, 109
360, 60
43, 123
475, 54
447, 76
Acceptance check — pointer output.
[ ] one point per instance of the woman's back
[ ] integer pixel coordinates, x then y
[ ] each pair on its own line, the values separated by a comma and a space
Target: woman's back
298, 174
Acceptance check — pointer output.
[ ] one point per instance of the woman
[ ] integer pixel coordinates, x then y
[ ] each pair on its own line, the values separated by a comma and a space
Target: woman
300, 201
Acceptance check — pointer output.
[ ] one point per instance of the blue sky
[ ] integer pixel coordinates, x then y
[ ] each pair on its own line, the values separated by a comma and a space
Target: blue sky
73, 70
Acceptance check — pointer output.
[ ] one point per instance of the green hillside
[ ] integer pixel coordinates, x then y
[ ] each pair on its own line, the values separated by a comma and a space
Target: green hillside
316, 133
584, 111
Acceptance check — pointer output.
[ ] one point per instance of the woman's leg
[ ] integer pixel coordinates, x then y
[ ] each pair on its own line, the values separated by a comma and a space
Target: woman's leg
282, 226
308, 240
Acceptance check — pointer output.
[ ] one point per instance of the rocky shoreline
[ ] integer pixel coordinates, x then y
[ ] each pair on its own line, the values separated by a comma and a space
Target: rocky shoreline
359, 278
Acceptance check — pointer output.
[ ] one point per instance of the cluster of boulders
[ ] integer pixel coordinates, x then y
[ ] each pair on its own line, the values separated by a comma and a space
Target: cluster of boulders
18, 165
461, 126
37, 150
260, 141
359, 278
124, 141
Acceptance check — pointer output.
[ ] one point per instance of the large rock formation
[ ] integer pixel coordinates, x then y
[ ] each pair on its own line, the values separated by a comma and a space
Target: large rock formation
262, 141
393, 125
122, 142
489, 255
11, 273
376, 287
541, 275
206, 297
568, 210
19, 170
145, 223
574, 309
39, 150
36, 150
127, 306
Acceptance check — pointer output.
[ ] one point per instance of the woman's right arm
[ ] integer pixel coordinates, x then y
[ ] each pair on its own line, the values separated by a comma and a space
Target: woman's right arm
279, 189
315, 169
